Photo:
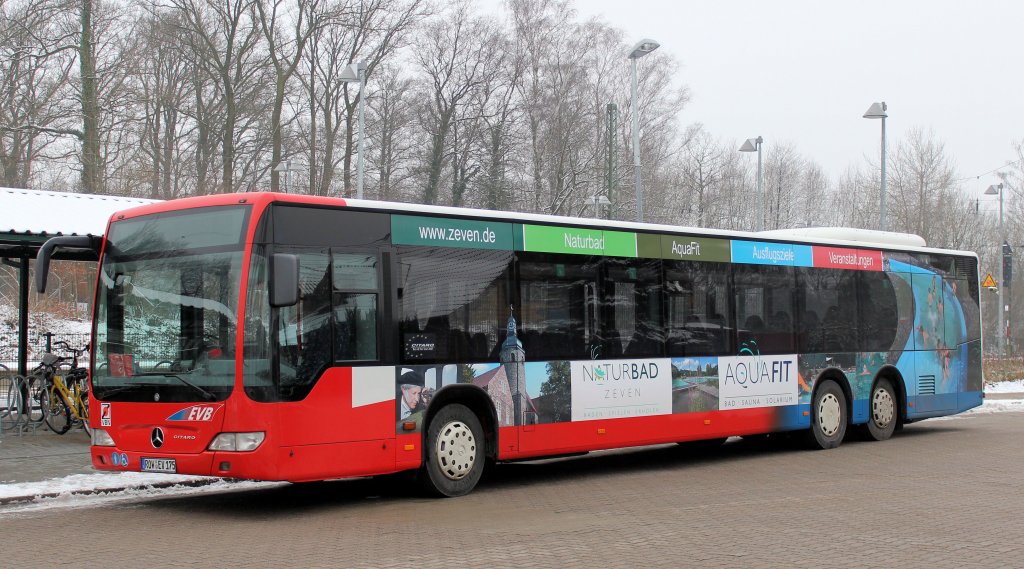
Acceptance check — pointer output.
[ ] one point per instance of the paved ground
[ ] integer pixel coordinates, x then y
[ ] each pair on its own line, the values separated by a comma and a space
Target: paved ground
43, 455
941, 494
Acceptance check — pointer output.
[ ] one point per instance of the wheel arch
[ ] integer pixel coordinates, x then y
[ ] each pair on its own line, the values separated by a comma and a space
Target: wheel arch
837, 375
476, 400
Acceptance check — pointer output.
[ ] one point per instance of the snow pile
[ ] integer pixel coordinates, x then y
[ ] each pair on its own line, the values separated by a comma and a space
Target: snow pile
78, 483
85, 495
1015, 386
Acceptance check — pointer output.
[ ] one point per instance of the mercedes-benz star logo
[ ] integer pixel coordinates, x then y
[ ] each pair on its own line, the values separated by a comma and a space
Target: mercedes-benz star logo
157, 437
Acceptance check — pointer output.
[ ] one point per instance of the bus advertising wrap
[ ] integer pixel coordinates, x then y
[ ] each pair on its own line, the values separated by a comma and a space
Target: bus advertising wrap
578, 241
856, 259
757, 381
610, 389
444, 232
764, 253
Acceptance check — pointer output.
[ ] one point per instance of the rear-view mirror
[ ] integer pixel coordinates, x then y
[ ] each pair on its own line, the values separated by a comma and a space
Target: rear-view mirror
284, 279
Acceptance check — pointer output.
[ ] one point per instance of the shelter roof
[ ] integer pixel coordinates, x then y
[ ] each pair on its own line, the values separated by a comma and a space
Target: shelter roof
29, 217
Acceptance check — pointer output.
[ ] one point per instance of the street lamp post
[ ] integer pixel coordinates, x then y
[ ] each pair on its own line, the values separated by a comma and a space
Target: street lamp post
642, 48
356, 73
877, 111
597, 202
993, 190
284, 167
751, 145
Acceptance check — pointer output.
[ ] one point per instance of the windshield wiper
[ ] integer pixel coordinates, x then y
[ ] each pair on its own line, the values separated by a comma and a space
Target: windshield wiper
206, 394
108, 391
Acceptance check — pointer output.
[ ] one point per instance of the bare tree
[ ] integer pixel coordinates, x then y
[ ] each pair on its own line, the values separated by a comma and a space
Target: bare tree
454, 54
37, 55
538, 25
161, 92
375, 31
226, 42
392, 132
922, 179
701, 174
783, 171
286, 35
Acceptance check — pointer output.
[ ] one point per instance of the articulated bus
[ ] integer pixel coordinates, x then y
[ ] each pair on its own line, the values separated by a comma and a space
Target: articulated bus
281, 337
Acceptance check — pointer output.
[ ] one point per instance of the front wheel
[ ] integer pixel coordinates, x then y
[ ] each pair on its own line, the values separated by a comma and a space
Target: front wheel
828, 416
454, 458
56, 412
884, 413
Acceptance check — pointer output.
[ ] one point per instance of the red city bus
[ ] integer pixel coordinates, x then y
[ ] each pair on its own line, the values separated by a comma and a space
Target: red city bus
280, 337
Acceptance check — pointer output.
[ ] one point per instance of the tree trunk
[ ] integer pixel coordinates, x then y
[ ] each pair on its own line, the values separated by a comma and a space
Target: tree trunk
91, 166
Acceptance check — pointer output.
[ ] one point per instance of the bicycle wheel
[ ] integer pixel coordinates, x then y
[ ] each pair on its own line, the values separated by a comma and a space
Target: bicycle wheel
33, 405
56, 412
82, 405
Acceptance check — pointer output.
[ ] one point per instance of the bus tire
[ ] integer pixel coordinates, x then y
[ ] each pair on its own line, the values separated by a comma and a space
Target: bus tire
828, 416
454, 460
884, 410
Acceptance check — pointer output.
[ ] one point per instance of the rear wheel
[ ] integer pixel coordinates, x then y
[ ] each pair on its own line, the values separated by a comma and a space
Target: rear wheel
828, 416
454, 458
884, 412
56, 412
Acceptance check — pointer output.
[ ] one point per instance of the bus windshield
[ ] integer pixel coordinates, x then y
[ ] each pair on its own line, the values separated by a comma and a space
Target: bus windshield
167, 306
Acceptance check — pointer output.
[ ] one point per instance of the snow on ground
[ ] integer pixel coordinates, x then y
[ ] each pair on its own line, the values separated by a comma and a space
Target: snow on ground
989, 406
1015, 386
90, 490
92, 482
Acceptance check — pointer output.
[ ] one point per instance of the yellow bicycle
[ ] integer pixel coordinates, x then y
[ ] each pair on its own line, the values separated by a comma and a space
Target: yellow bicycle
65, 399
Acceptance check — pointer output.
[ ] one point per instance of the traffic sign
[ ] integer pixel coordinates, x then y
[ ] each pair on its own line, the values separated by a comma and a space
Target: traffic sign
989, 282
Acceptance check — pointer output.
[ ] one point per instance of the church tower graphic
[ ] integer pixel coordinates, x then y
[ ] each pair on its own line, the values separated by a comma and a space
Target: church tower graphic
513, 360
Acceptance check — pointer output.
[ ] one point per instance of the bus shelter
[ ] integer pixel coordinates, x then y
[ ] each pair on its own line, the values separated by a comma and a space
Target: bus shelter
28, 218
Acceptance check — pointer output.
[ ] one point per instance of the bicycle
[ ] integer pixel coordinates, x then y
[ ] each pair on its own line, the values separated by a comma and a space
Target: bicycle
65, 399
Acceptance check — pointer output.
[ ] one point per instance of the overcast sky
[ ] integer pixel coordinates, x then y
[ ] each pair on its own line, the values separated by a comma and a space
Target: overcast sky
806, 71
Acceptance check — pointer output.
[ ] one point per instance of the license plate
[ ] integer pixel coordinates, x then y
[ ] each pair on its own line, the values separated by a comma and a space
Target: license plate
159, 465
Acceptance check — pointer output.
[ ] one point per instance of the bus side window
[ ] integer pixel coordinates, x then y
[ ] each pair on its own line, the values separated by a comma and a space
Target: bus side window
355, 277
631, 303
828, 310
454, 303
764, 308
558, 295
698, 311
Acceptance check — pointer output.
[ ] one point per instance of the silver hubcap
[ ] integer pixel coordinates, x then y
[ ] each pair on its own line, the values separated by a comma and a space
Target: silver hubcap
456, 450
882, 408
829, 415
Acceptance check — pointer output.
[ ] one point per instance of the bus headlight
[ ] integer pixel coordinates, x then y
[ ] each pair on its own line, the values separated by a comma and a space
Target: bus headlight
101, 438
237, 442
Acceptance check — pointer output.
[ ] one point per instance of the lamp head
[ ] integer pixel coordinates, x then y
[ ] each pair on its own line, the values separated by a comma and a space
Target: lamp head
751, 144
643, 47
352, 72
876, 111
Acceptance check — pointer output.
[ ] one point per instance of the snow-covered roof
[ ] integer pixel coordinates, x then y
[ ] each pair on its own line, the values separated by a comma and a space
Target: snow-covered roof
39, 212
